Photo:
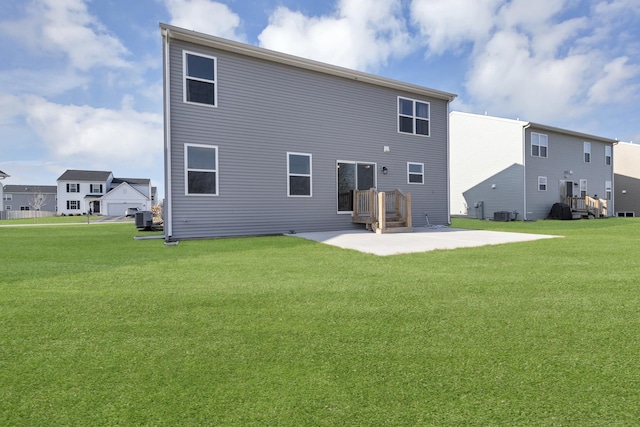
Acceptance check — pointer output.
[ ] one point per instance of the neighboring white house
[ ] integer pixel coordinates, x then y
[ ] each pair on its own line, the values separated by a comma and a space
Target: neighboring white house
81, 190
507, 166
627, 179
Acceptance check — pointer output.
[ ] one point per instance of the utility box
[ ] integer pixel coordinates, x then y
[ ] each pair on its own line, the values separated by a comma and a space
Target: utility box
502, 216
144, 219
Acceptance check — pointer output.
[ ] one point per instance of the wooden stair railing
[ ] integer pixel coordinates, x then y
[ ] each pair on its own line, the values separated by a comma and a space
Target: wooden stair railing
588, 206
382, 212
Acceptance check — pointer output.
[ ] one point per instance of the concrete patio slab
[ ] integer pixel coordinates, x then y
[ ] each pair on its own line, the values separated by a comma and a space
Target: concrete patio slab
421, 240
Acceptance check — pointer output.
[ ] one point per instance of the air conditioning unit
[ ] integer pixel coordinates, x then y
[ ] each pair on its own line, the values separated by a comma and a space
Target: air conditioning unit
144, 219
502, 216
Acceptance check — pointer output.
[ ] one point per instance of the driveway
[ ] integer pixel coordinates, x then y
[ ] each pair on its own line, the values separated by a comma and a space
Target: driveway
421, 240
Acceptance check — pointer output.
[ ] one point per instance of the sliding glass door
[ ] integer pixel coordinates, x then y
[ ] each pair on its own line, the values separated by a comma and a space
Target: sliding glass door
353, 176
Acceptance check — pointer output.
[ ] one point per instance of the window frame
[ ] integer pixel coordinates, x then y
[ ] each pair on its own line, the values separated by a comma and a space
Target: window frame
7, 197
409, 173
93, 186
71, 203
291, 174
73, 188
187, 170
586, 152
608, 190
608, 155
186, 77
583, 188
414, 117
539, 145
543, 182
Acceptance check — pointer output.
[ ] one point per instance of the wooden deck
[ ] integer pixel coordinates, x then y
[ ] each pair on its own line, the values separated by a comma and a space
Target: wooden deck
382, 212
588, 207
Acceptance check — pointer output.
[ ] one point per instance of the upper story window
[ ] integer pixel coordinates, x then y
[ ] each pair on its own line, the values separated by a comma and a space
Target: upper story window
607, 155
587, 152
73, 188
539, 144
201, 169
415, 173
298, 175
413, 117
200, 84
96, 188
7, 197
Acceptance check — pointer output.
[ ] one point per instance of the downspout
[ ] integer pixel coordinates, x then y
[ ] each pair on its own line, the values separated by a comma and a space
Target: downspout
168, 215
611, 210
448, 165
524, 169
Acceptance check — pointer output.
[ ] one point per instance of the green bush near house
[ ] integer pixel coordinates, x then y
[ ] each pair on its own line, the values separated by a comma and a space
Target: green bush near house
100, 329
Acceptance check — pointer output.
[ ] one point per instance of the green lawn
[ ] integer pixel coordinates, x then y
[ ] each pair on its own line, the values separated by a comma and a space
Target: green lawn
99, 329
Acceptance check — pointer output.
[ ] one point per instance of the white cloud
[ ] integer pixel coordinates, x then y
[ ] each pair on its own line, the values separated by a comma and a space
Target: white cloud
548, 60
97, 136
65, 27
361, 34
205, 16
447, 24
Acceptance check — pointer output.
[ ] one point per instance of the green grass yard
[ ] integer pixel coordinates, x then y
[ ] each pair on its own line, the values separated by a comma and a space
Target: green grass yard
101, 329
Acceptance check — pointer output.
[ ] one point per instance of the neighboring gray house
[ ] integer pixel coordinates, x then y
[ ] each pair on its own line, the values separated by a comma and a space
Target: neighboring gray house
2, 176
503, 165
627, 179
30, 197
81, 190
260, 142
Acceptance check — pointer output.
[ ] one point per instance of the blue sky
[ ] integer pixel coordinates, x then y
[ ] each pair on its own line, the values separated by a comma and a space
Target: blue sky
81, 80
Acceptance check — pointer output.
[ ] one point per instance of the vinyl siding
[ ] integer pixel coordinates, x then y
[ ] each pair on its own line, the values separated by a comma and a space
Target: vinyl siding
627, 177
565, 153
266, 109
486, 152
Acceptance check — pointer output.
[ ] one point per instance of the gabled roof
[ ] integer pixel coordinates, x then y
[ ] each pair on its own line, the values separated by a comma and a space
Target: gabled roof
540, 126
132, 181
3, 175
122, 186
82, 175
44, 189
584, 136
178, 33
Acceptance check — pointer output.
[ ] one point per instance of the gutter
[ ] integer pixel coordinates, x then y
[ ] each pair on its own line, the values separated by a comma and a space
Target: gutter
167, 208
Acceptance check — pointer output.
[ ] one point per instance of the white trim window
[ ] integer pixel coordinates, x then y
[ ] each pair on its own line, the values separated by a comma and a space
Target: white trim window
7, 197
73, 205
539, 144
200, 79
299, 175
201, 170
607, 155
414, 117
583, 188
586, 148
73, 188
7, 207
415, 173
542, 183
607, 190
95, 188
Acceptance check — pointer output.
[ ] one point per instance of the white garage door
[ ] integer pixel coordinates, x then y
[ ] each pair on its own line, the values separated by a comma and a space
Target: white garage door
116, 209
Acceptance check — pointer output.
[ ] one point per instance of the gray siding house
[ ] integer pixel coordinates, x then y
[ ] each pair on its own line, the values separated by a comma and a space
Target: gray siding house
30, 197
503, 165
260, 142
627, 179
